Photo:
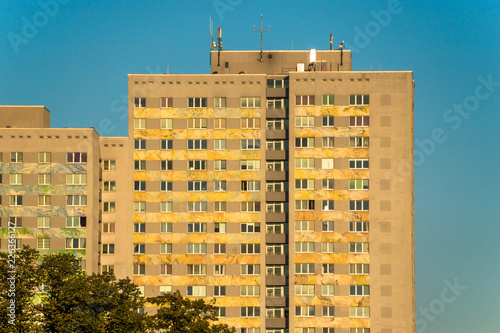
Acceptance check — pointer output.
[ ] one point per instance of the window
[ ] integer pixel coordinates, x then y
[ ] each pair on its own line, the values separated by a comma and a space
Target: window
276, 166
275, 312
327, 163
43, 243
139, 186
359, 330
196, 291
197, 206
219, 269
76, 221
16, 157
219, 123
197, 186
197, 165
165, 269
139, 102
304, 268
139, 165
358, 184
219, 185
165, 165
166, 207
139, 207
250, 227
197, 144
197, 102
327, 268
250, 311
277, 103
359, 142
276, 207
277, 83
197, 227
276, 291
43, 222
166, 102
196, 269
108, 228
359, 290
274, 186
358, 164
273, 145
166, 123
328, 311
276, 228
44, 157
110, 248
358, 247
139, 123
75, 243
73, 179
219, 248
250, 269
139, 248
328, 100
359, 269
304, 204
250, 248
358, 226
165, 289
250, 123
359, 205
304, 330
165, 186
219, 144
304, 100
16, 222
197, 123
250, 185
139, 144
359, 99
359, 312
165, 227
327, 205
197, 248
139, 270
220, 291
304, 247
276, 249
76, 158
328, 290
44, 200
249, 291
328, 121
328, 142
327, 184
250, 144
327, 247
109, 165
220, 227
304, 289
250, 102
304, 142
139, 227
304, 163
219, 206
219, 102
16, 200
166, 144
107, 269
276, 124
304, 226
166, 248
327, 226
109, 186
109, 207
16, 179
363, 121
304, 121
304, 184
253, 165
304, 311
220, 165
250, 206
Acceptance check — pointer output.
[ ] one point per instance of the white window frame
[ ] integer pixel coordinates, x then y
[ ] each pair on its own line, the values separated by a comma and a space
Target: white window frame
166, 123
166, 207
359, 99
250, 165
197, 102
219, 144
219, 102
197, 123
250, 102
197, 206
139, 123
304, 121
359, 184
304, 163
359, 142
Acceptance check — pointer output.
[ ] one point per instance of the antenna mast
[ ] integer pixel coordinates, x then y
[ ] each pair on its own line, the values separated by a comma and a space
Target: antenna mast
261, 35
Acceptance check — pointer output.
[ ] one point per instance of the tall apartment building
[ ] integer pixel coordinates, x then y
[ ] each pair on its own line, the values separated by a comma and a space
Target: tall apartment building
281, 185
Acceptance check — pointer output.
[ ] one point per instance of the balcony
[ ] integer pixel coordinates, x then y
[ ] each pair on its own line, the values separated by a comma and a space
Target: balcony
276, 301
276, 175
277, 155
276, 323
276, 113
276, 92
276, 280
276, 196
276, 259
276, 134
276, 217
276, 238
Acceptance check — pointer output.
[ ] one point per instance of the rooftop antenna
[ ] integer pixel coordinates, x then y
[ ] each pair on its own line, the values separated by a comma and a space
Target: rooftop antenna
261, 31
341, 48
331, 42
211, 37
219, 44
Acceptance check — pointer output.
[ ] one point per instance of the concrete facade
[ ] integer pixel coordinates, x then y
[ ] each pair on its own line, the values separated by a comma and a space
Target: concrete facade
281, 187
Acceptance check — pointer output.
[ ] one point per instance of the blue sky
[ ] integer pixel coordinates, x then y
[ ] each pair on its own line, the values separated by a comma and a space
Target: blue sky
75, 62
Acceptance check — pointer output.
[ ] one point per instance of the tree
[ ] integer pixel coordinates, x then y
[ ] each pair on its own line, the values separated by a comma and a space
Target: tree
179, 314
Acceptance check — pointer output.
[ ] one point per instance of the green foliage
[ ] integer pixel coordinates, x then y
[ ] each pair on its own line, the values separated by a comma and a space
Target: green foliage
73, 301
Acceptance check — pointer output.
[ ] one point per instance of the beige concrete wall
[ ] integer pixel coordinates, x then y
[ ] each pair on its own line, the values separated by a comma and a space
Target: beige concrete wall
22, 116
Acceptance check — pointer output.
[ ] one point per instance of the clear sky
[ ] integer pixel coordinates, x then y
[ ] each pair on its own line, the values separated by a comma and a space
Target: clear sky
74, 59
